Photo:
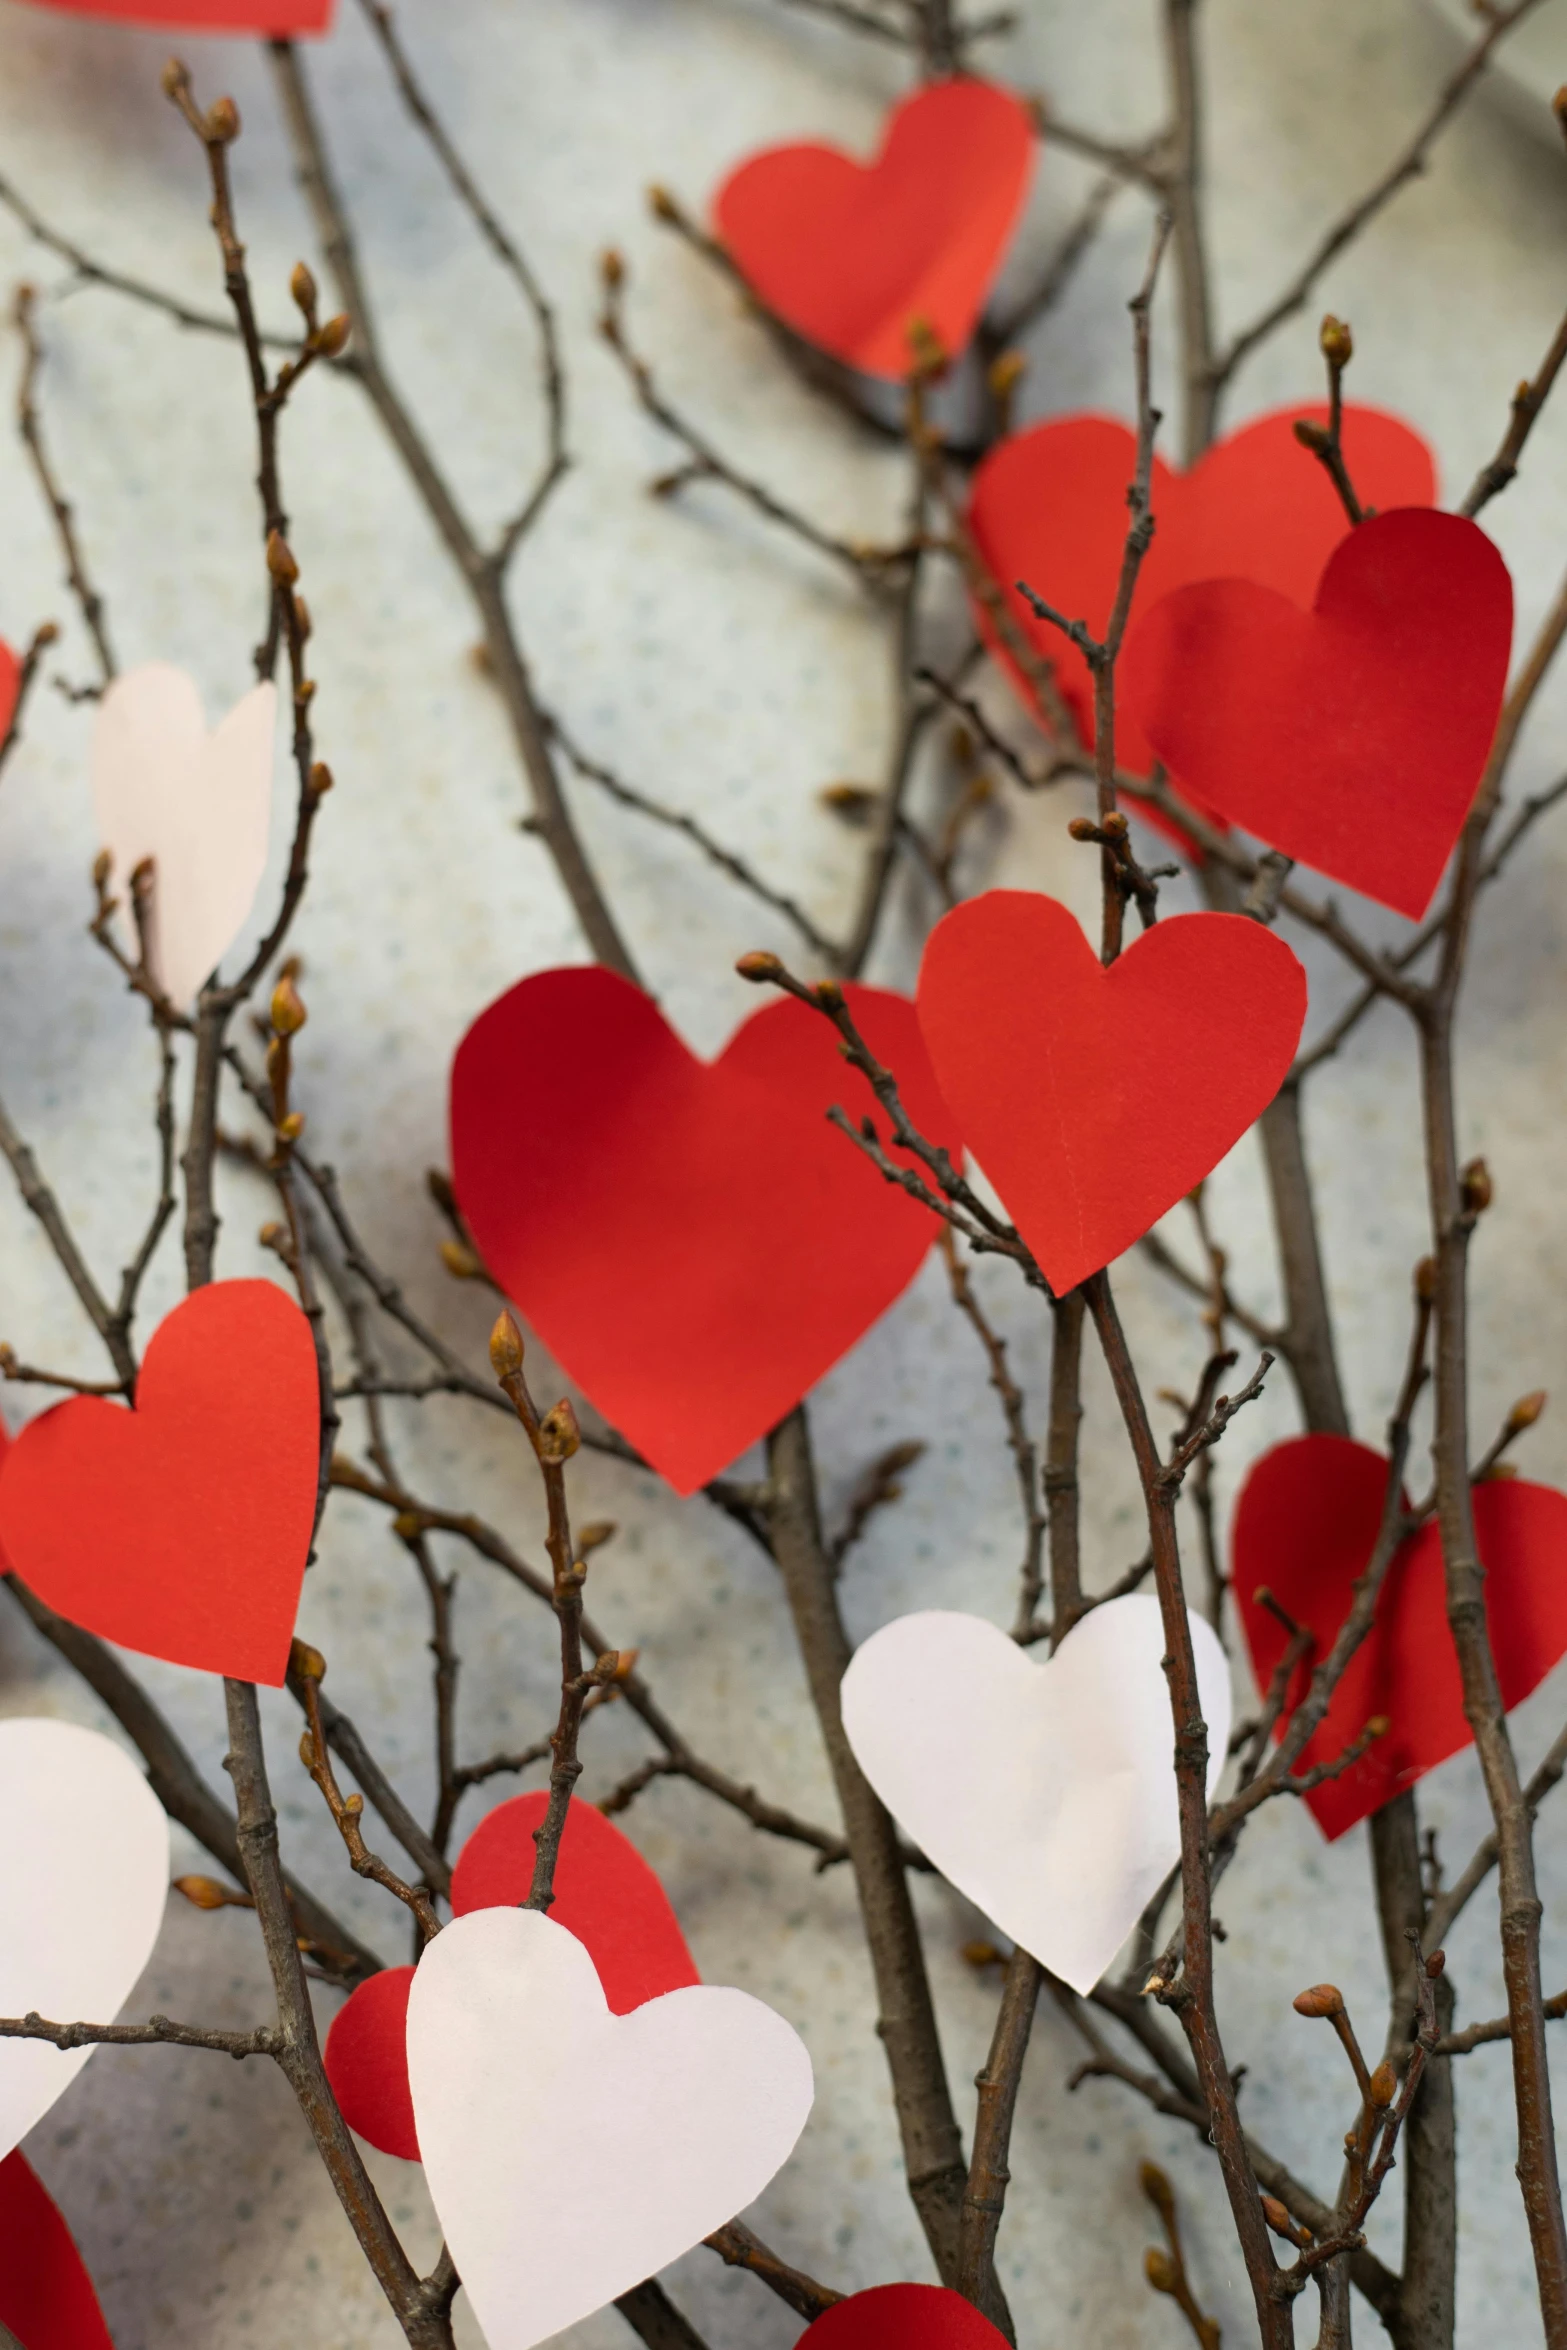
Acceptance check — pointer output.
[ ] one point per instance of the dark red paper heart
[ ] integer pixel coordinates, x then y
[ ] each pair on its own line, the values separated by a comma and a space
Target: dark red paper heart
1095, 1099
1049, 506
605, 1894
852, 255
903, 2317
46, 2296
1352, 736
1305, 1525
693, 1242
182, 1528
271, 18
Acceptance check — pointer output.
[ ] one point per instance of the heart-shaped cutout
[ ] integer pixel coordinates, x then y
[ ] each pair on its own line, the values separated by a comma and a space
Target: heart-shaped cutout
1049, 506
1095, 1099
46, 2296
605, 1894
1045, 1792
84, 1859
527, 2090
1305, 1526
1351, 736
692, 1241
903, 2317
198, 804
854, 256
272, 19
181, 1528
10, 686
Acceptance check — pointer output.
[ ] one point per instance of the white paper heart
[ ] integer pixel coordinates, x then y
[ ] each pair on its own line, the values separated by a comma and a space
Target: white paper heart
198, 804
84, 1863
572, 2153
1045, 1792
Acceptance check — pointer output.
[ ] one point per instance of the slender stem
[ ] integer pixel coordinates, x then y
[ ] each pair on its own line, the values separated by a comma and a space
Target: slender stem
1183, 194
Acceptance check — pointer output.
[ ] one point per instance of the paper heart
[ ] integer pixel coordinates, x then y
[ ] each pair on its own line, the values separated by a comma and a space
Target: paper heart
1352, 736
84, 1859
605, 1894
181, 1528
46, 2296
274, 19
1096, 1099
526, 2086
1305, 1526
10, 686
853, 255
692, 1241
198, 804
1045, 1792
903, 2317
1049, 506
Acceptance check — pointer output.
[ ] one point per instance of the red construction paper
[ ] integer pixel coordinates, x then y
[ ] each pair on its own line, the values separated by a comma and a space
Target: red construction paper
1352, 736
181, 1528
692, 1241
1095, 1099
1305, 1526
1049, 506
605, 1894
903, 2317
46, 2296
10, 685
852, 255
270, 18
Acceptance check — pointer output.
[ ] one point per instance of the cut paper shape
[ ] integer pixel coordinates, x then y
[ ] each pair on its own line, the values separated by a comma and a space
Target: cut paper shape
181, 1528
692, 1241
272, 19
853, 256
1044, 1792
903, 2317
1095, 1099
525, 2086
1352, 736
605, 1894
47, 2298
10, 686
1049, 506
1305, 1525
84, 1859
198, 804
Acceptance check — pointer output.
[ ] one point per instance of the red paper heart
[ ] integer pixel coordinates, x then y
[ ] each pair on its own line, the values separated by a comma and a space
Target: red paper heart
10, 686
852, 255
694, 1242
1049, 506
182, 1528
46, 2296
1096, 1099
1305, 1525
1352, 736
273, 19
903, 2317
605, 1894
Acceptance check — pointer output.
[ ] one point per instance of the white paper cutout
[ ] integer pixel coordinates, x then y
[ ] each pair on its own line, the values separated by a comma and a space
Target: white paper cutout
198, 804
1045, 1792
84, 1868
572, 2153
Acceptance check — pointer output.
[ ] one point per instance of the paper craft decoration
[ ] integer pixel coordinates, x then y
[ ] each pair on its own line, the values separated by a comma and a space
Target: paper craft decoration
1095, 1099
1352, 736
605, 1894
272, 19
903, 2317
10, 686
181, 1528
198, 804
528, 2090
1305, 1526
1049, 506
853, 256
46, 2296
84, 1859
1045, 1792
693, 1242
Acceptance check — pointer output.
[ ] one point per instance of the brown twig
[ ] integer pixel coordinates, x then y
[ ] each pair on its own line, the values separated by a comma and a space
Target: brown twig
89, 601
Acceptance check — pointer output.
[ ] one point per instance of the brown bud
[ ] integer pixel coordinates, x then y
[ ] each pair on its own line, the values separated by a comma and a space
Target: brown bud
759, 967
1160, 2270
302, 286
607, 1666
175, 77
208, 1893
1559, 109
1526, 1411
1278, 2218
331, 340
981, 1954
1156, 2186
280, 562
102, 867
559, 1435
1323, 1999
1115, 825
321, 779
288, 1013
306, 1663
1336, 342
46, 633
1425, 1280
1436, 1964
1083, 828
829, 995
302, 620
7, 1362
223, 121
505, 1346
661, 203
853, 803
1311, 435
292, 1127
1007, 371
612, 269
408, 1525
460, 1261
594, 1536
1475, 1188
1384, 2086
928, 355
626, 1663
275, 1237
1378, 1726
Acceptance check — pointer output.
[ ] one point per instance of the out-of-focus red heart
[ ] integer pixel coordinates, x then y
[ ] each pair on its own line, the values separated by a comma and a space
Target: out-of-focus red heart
1352, 736
605, 1894
1305, 1525
692, 1241
46, 2296
1049, 506
853, 255
10, 686
272, 19
903, 2317
1096, 1099
181, 1528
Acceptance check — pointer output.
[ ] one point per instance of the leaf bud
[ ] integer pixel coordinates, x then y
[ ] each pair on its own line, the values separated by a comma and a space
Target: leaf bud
1425, 1280
505, 1346
1475, 1188
331, 340
1384, 2086
1336, 341
1526, 1411
207, 1893
223, 121
1156, 2186
1378, 1726
829, 995
559, 1435
292, 1127
288, 1013
1278, 2218
759, 967
280, 562
981, 1954
662, 204
306, 1663
460, 1261
175, 77
1007, 371
302, 286
321, 779
1160, 2270
102, 867
612, 269
594, 1536
1436, 1964
1323, 1999
1083, 828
